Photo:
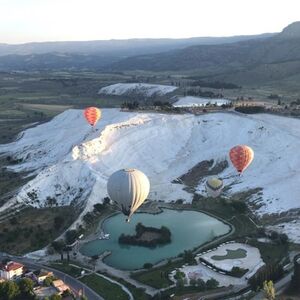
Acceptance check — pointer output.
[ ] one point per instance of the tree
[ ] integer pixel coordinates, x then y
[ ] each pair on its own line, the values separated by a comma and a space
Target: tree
9, 290
193, 282
283, 238
268, 272
188, 257
58, 222
274, 235
71, 236
58, 246
99, 207
55, 297
26, 287
148, 266
106, 201
240, 206
179, 275
212, 284
48, 281
269, 290
201, 284
66, 293
180, 283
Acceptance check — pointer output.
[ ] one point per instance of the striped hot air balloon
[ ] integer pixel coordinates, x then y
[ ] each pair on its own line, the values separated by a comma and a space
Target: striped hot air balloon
214, 187
128, 188
241, 157
92, 115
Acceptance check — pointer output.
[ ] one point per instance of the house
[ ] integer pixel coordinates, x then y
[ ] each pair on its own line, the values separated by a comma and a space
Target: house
11, 270
41, 275
60, 286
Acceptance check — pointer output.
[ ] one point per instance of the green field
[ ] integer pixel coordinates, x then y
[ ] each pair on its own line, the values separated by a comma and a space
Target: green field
157, 277
231, 254
66, 268
106, 289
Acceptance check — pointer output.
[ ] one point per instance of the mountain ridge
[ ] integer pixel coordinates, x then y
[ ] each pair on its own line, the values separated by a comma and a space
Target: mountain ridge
126, 46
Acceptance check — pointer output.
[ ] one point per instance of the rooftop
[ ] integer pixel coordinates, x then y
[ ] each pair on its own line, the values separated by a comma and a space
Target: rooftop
11, 266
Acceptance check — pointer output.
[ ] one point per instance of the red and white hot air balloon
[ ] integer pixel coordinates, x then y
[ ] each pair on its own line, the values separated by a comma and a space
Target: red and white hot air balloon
92, 115
241, 157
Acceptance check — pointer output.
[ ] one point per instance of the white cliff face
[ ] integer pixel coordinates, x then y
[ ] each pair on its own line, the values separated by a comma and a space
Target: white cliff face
73, 162
142, 89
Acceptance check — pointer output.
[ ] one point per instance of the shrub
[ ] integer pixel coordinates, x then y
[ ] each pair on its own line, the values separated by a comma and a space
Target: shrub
250, 109
71, 236
212, 284
148, 266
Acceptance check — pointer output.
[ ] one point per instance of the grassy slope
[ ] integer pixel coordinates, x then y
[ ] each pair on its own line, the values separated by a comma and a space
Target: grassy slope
104, 288
32, 229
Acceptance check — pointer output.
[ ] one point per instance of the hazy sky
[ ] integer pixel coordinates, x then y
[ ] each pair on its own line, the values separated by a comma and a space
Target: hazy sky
57, 20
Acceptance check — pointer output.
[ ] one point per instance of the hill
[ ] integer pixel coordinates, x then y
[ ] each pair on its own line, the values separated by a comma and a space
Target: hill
273, 58
118, 47
95, 54
141, 90
72, 163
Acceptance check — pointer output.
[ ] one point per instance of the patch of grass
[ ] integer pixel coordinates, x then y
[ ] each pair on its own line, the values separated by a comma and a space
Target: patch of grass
225, 210
270, 253
157, 277
10, 181
66, 268
138, 293
231, 254
106, 289
46, 109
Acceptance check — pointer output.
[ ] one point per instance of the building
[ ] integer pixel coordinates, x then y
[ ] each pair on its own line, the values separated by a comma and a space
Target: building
11, 270
41, 275
60, 286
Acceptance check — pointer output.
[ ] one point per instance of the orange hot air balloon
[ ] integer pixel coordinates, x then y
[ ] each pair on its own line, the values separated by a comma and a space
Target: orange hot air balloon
241, 157
92, 115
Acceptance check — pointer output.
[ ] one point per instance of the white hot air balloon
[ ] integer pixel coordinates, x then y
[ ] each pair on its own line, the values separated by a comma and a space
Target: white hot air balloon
214, 187
128, 188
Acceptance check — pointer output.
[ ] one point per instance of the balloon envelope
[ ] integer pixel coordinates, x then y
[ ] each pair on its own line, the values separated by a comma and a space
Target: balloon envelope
241, 157
128, 188
92, 115
214, 187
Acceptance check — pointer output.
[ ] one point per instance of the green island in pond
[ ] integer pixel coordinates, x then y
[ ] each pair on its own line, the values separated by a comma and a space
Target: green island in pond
147, 236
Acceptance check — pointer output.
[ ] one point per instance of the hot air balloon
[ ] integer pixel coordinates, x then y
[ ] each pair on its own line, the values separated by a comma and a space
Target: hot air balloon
92, 115
241, 157
128, 188
214, 186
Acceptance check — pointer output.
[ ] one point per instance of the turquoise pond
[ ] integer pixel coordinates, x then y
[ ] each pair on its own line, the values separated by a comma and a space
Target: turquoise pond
189, 229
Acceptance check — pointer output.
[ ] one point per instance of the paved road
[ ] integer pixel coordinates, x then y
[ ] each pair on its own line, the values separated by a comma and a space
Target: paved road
69, 280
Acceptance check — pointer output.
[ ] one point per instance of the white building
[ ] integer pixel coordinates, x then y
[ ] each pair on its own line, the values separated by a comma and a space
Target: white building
11, 270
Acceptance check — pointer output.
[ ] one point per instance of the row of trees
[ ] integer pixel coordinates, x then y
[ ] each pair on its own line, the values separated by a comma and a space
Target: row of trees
201, 285
200, 93
269, 272
251, 109
215, 84
130, 105
23, 289
11, 290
